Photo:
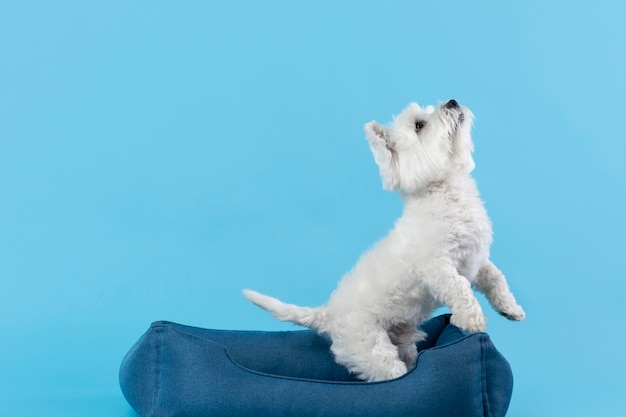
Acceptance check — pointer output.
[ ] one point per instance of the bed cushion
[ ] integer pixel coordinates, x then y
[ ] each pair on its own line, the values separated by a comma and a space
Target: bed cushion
183, 371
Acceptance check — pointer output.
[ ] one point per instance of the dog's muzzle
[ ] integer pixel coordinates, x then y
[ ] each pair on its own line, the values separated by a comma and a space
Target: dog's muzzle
454, 105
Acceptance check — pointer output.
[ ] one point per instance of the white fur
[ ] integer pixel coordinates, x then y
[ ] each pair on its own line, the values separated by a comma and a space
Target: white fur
437, 251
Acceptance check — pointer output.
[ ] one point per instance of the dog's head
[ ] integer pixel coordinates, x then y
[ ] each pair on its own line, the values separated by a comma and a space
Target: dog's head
422, 145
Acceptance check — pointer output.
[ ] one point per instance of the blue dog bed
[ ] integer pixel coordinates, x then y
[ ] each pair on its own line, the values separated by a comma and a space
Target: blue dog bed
177, 370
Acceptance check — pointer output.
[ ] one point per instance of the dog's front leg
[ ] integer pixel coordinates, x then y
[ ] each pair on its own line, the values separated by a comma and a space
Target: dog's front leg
454, 290
491, 282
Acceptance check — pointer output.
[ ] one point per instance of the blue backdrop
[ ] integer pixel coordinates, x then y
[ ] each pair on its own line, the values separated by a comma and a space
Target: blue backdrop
156, 157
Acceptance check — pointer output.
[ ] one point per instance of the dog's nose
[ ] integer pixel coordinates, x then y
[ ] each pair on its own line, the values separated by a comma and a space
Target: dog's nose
452, 104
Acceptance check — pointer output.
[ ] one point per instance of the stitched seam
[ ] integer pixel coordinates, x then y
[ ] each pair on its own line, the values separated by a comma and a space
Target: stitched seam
483, 377
158, 360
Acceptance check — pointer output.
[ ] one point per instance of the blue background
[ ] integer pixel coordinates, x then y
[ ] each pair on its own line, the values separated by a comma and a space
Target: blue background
157, 157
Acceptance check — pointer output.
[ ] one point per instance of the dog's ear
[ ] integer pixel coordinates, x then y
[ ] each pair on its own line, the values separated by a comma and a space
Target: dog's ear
379, 137
384, 154
374, 131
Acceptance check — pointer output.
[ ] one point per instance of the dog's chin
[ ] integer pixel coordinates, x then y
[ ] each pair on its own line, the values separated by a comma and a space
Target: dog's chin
455, 118
458, 123
455, 124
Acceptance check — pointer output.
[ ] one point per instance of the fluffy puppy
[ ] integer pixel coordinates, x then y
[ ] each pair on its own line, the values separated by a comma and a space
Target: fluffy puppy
437, 251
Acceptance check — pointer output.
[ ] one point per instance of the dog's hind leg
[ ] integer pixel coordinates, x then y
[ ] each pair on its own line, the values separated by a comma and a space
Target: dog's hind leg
491, 282
368, 353
405, 336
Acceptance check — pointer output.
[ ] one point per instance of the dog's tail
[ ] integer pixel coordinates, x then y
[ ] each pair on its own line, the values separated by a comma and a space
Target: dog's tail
313, 318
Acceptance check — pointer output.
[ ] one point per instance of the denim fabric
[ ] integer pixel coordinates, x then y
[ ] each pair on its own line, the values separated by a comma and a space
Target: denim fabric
176, 370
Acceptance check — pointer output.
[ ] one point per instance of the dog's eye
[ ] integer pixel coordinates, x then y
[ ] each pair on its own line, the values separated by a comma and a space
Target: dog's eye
419, 125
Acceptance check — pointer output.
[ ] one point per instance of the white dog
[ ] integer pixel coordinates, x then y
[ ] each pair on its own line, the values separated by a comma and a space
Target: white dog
438, 250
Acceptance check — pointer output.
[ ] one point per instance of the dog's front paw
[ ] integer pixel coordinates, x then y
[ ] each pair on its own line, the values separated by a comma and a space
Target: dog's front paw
514, 312
471, 323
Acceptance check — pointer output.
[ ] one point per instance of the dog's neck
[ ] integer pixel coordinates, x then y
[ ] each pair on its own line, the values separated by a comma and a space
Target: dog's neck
450, 182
